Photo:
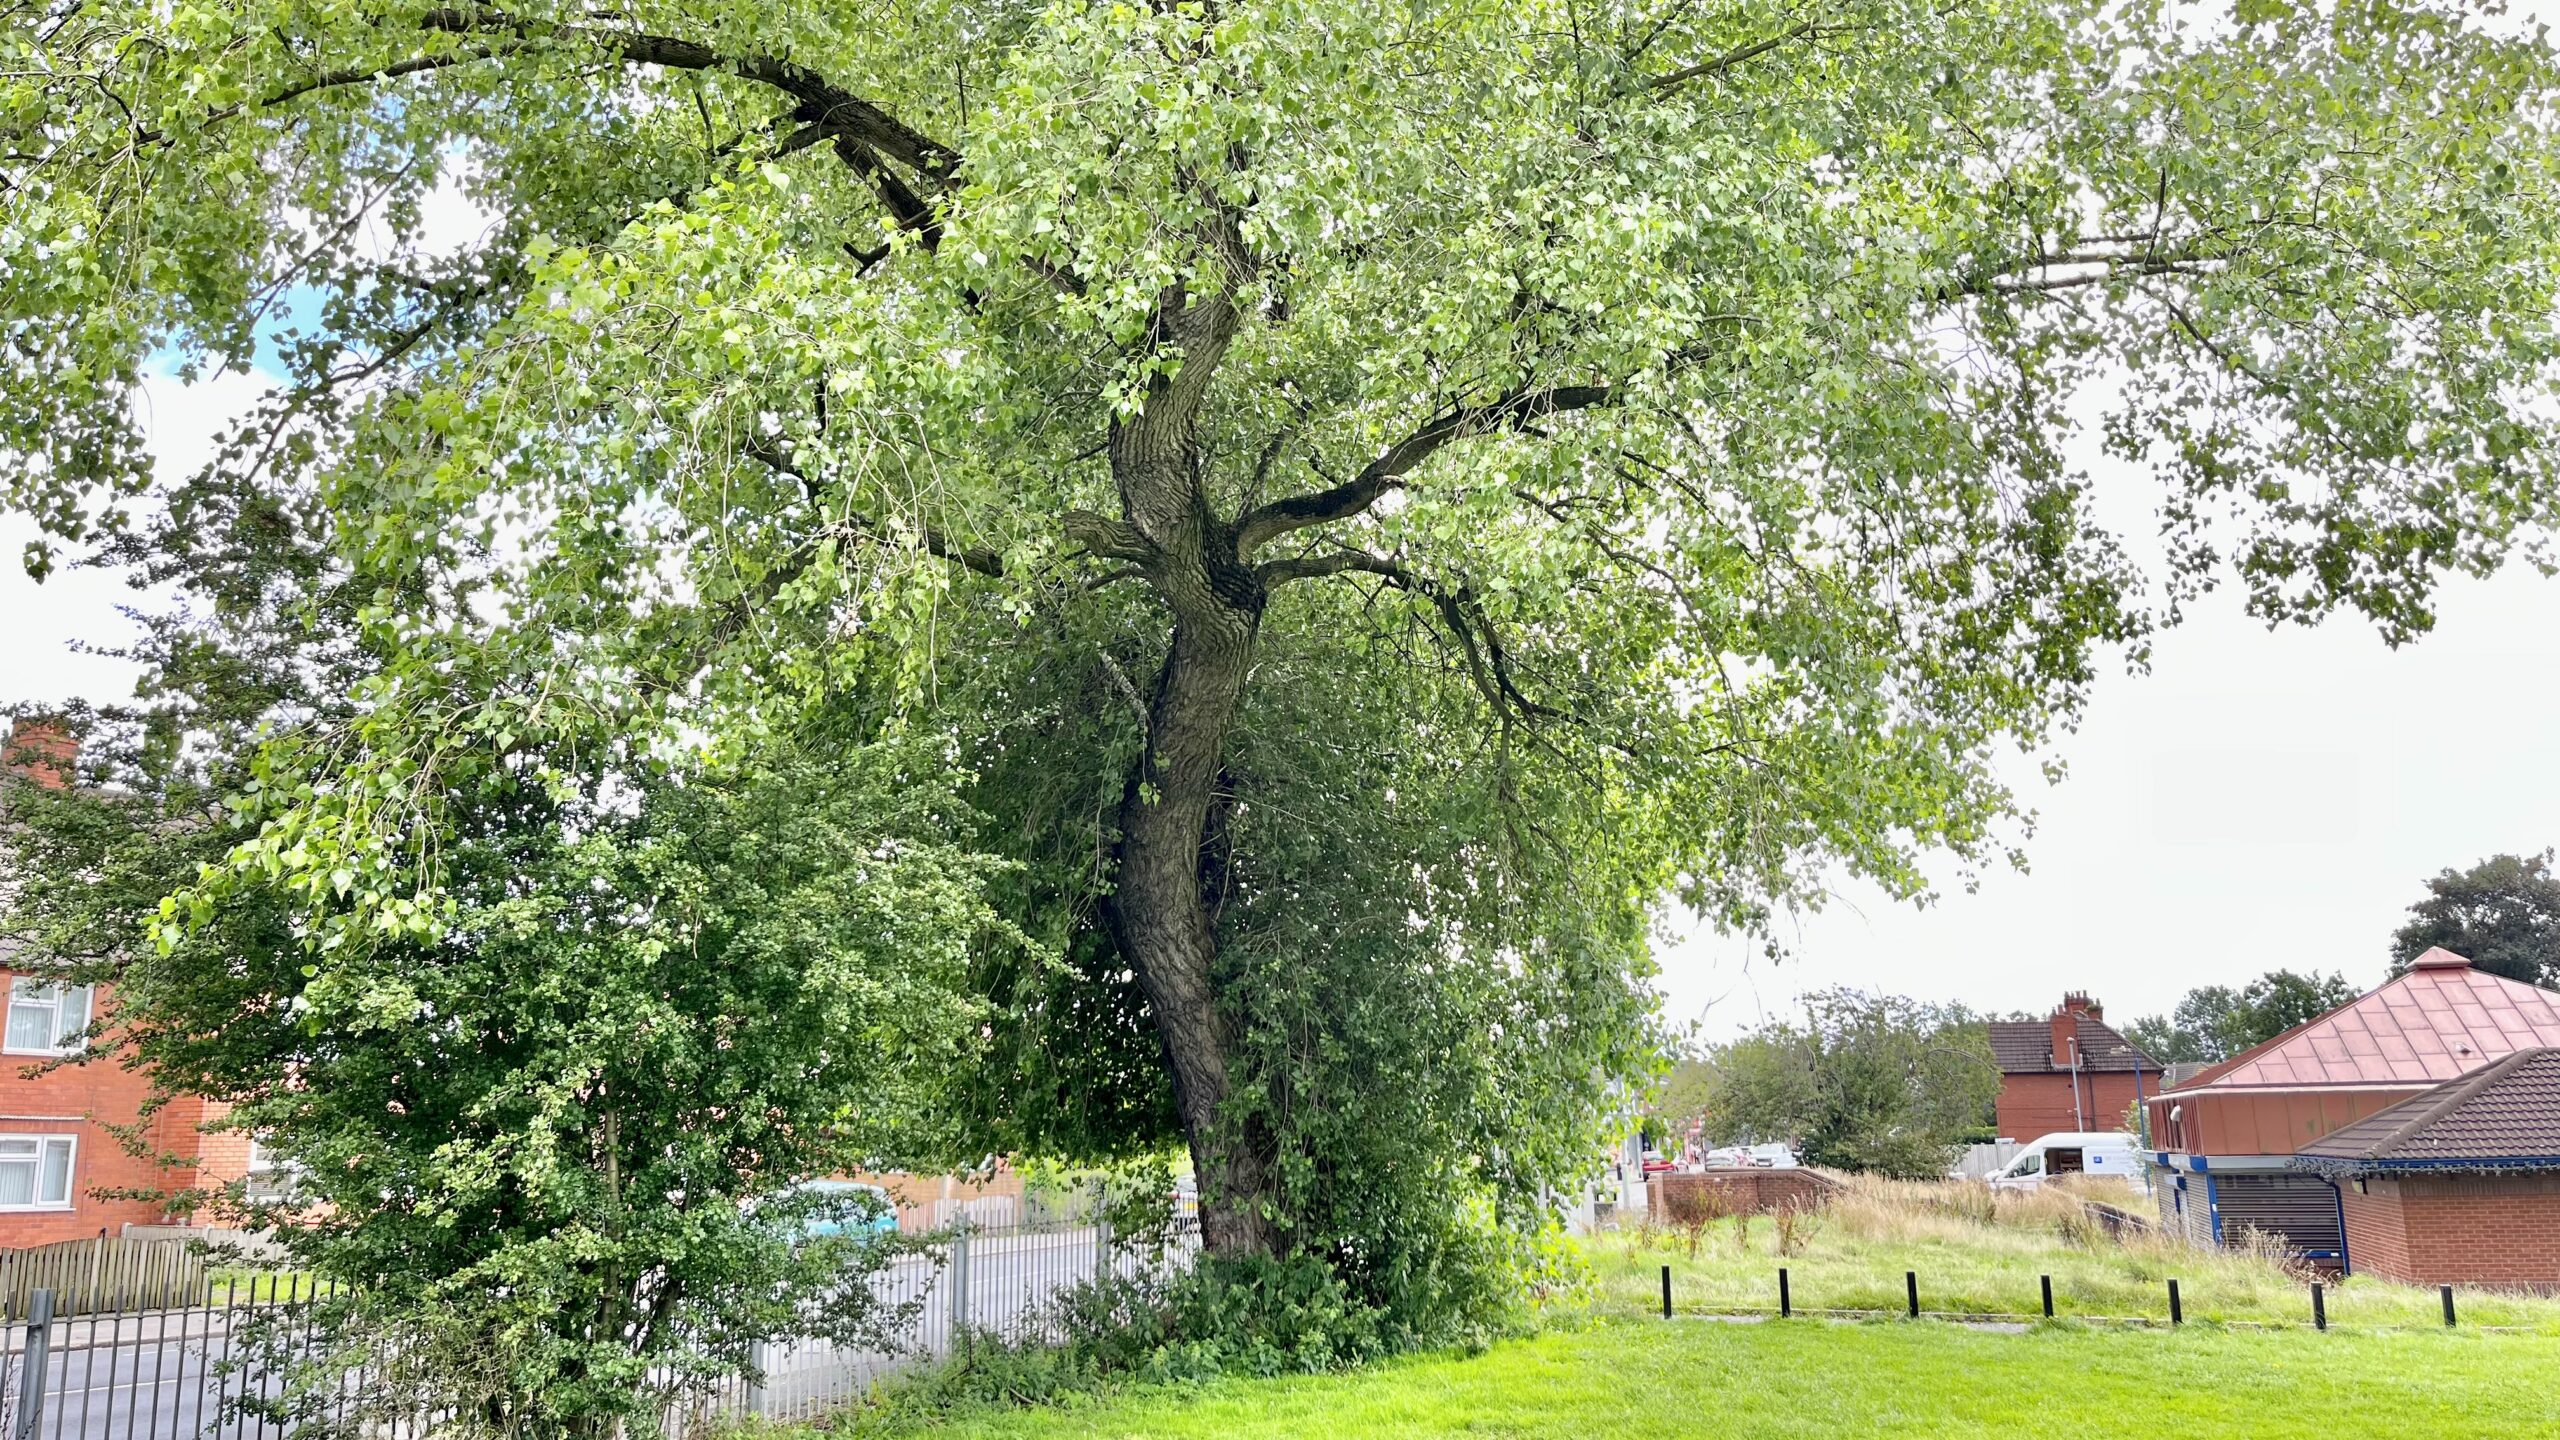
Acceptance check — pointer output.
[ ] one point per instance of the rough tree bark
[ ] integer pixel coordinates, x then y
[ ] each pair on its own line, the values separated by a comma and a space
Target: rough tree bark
1159, 915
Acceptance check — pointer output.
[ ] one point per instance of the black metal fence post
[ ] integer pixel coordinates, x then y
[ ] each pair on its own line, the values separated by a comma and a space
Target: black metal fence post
1787, 1304
1666, 1292
31, 1375
2177, 1312
2048, 1295
1911, 1291
2447, 1292
2319, 1307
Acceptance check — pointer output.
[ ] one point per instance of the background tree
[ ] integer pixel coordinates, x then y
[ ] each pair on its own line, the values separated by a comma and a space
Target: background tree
2503, 915
2216, 1022
1866, 1082
548, 1147
1687, 1094
1365, 500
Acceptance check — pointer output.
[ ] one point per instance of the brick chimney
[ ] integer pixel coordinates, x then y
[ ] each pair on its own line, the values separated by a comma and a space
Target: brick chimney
2066, 1026
42, 750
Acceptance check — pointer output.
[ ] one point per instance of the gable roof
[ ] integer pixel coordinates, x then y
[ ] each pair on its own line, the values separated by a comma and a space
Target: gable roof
2503, 1116
2439, 1021
2026, 1047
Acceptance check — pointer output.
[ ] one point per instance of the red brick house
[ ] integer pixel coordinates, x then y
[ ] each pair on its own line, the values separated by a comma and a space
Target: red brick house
2228, 1138
2069, 1071
2459, 1184
58, 1151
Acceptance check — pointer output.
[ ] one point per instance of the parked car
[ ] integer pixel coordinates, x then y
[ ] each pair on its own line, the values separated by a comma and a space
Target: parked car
2105, 1154
1771, 1156
847, 1207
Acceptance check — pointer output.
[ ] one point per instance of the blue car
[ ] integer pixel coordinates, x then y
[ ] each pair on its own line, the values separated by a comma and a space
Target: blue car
848, 1207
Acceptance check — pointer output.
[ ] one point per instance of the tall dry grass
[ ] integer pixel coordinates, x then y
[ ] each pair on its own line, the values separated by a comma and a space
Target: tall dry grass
1981, 1252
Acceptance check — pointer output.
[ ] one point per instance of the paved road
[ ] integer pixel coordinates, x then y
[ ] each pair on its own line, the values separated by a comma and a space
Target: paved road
181, 1375
146, 1377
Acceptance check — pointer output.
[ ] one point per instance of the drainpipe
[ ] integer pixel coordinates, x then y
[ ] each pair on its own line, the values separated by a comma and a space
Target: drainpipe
2079, 1117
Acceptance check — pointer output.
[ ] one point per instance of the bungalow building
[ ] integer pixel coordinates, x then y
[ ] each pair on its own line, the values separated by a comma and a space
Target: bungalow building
2226, 1141
2458, 1185
2069, 1071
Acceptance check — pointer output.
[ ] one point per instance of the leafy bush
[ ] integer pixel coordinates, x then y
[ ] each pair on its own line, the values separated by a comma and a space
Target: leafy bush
548, 1148
1260, 1317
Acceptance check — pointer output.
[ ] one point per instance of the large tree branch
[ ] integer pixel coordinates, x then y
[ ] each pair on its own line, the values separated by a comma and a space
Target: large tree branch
863, 133
1736, 56
821, 101
1385, 473
1106, 538
368, 74
2086, 265
1488, 663
854, 527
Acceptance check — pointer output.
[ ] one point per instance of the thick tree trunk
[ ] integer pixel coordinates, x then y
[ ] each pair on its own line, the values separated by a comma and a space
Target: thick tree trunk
1160, 916
1163, 925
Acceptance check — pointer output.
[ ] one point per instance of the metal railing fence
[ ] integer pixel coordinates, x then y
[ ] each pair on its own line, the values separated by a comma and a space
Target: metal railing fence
219, 1370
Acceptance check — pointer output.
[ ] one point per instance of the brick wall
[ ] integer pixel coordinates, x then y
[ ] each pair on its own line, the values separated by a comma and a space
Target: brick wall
2457, 1230
2033, 1104
2377, 1231
1738, 1192
223, 1155
82, 1100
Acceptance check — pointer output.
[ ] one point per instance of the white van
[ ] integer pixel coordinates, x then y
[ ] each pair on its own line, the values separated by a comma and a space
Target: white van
2108, 1153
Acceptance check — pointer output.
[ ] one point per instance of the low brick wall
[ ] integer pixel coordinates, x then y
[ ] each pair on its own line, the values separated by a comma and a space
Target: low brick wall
1738, 1192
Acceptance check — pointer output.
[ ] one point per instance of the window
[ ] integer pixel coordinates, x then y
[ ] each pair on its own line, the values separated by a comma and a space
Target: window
35, 1172
2031, 1163
270, 1176
45, 1018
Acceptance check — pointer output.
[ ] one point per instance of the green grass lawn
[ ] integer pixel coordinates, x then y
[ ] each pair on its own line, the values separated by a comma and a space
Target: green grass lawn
1861, 1245
234, 1284
1812, 1379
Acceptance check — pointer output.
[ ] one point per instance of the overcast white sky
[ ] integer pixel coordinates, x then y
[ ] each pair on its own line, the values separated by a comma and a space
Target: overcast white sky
2258, 799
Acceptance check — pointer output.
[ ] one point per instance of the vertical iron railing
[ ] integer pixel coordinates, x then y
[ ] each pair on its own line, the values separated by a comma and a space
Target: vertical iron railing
223, 1369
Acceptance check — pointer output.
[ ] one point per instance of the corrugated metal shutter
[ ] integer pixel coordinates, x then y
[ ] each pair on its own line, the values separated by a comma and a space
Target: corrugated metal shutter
2301, 1208
2196, 1206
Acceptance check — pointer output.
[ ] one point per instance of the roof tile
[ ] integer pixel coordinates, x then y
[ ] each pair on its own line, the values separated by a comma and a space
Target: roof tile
2027, 1046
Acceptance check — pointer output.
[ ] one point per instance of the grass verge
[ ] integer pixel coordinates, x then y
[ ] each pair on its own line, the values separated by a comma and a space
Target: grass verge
1815, 1380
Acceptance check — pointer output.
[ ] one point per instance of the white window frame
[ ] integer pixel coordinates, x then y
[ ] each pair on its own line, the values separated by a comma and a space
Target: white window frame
269, 1177
54, 990
70, 1175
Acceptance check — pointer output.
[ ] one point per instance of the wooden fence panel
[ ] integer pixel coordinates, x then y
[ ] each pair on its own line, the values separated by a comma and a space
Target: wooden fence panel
103, 1275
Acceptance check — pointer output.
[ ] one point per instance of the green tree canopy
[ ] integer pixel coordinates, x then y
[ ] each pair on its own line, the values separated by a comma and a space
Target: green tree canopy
551, 1148
1866, 1082
2503, 915
2216, 1022
1365, 499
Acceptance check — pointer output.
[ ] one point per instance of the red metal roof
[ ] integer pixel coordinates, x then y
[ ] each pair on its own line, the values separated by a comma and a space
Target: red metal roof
2440, 1021
2504, 1116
